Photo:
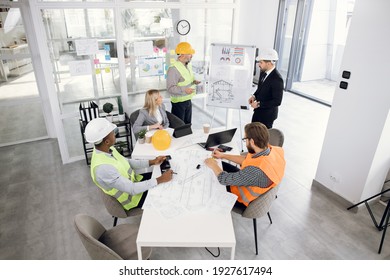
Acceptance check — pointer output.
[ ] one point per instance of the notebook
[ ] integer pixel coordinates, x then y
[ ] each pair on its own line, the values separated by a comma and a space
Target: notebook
218, 138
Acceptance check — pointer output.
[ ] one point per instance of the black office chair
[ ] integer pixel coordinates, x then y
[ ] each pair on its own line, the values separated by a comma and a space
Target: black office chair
133, 118
173, 120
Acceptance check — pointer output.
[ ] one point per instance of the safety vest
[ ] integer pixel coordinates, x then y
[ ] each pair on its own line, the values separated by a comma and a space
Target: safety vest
188, 76
272, 165
122, 165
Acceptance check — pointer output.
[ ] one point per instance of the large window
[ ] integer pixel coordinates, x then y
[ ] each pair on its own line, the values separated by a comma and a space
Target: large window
65, 28
99, 54
311, 40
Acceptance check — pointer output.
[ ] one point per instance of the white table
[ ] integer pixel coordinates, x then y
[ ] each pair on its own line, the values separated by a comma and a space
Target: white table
190, 230
147, 151
200, 228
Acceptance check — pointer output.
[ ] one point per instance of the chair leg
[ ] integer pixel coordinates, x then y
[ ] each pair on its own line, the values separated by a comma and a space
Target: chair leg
255, 231
269, 217
384, 230
115, 221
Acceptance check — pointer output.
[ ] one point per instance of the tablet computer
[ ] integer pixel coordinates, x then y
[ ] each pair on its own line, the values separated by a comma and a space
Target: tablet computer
182, 130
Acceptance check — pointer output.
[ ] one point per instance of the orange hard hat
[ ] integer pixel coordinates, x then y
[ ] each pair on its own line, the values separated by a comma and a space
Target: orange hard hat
184, 48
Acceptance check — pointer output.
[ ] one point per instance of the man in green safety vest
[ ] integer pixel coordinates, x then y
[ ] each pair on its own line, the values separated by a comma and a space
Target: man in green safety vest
113, 173
181, 83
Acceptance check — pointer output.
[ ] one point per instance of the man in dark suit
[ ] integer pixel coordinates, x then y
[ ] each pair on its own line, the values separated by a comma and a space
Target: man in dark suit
268, 96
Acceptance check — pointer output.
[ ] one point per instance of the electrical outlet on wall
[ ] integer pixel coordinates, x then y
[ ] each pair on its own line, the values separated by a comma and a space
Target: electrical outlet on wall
334, 177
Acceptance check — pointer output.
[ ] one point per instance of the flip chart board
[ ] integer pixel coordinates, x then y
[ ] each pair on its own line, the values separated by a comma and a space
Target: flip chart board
230, 75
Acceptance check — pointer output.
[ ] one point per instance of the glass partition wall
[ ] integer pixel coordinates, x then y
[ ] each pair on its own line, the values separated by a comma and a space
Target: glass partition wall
99, 54
310, 39
20, 103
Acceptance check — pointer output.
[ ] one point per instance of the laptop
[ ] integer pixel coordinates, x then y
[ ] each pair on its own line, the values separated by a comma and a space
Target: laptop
182, 130
218, 138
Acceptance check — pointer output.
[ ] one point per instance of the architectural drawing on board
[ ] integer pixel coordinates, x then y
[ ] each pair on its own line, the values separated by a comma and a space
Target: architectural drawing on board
222, 92
230, 75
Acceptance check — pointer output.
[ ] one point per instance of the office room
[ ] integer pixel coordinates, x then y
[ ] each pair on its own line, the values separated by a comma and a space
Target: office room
61, 58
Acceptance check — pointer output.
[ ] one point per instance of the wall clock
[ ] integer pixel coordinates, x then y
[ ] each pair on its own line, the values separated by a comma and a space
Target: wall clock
183, 27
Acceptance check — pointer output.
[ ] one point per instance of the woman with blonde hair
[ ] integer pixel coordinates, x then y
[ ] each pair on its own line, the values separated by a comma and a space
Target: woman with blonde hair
153, 115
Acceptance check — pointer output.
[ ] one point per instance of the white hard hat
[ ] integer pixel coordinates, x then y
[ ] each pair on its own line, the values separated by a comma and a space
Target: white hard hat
267, 54
97, 129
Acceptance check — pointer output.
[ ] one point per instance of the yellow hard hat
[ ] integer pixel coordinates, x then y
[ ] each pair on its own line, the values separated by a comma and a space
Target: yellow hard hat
184, 48
161, 140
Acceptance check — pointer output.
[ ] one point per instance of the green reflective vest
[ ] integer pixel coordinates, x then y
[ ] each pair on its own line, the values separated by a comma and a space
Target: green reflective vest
122, 165
188, 76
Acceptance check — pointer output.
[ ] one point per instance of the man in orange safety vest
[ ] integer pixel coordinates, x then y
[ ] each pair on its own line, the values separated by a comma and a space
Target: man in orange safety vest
261, 169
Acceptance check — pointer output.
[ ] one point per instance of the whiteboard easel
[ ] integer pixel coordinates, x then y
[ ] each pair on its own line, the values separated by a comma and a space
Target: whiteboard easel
230, 77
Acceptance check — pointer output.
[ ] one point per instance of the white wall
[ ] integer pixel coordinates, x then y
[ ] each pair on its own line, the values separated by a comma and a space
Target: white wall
356, 147
257, 23
381, 163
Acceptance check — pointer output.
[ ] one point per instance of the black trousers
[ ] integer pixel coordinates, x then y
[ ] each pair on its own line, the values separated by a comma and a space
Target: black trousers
183, 110
231, 168
265, 116
146, 177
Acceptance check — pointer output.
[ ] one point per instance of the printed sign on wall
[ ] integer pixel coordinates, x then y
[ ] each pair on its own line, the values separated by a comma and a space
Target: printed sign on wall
151, 66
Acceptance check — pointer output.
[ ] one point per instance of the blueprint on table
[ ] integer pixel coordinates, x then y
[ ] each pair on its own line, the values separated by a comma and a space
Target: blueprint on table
191, 189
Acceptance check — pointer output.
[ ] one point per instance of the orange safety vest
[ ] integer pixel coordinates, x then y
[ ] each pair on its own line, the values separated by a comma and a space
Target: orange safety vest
272, 165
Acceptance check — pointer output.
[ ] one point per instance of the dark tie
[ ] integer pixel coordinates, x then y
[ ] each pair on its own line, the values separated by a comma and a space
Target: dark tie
262, 77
